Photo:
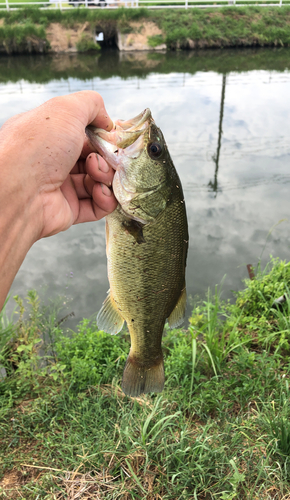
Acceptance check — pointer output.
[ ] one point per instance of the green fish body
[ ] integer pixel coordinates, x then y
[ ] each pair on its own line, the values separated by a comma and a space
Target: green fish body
147, 241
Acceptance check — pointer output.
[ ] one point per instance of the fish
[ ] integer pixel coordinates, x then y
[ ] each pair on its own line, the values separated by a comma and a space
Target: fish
146, 246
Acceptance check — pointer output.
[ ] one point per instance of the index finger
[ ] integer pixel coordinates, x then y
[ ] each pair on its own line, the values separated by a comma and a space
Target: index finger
93, 112
91, 109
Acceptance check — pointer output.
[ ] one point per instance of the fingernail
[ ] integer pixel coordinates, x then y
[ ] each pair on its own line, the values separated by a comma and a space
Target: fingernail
105, 190
103, 166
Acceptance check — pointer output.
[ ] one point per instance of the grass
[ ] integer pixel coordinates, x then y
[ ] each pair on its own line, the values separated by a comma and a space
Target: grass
86, 44
181, 28
220, 429
244, 26
23, 38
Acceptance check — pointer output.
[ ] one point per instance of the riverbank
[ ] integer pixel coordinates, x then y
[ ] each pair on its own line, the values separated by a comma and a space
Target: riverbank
219, 429
35, 31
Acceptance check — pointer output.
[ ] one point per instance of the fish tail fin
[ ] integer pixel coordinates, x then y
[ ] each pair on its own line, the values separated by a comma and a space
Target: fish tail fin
140, 379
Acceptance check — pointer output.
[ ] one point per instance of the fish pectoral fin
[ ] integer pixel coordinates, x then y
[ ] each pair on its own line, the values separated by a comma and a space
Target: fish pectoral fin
109, 319
134, 228
176, 318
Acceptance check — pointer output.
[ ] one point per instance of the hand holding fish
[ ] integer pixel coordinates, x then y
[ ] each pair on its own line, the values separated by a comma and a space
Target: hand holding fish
50, 177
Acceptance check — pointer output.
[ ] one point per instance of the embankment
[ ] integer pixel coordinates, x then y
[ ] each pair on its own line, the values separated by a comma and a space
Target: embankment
75, 30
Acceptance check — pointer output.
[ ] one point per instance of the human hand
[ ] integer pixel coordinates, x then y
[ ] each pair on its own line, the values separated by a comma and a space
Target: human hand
50, 178
56, 171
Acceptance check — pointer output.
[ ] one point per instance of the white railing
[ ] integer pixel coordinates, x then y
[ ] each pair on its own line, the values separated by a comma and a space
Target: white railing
151, 4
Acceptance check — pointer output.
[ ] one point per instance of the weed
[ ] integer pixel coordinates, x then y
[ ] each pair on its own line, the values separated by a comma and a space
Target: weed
220, 429
86, 43
24, 29
155, 40
91, 356
23, 38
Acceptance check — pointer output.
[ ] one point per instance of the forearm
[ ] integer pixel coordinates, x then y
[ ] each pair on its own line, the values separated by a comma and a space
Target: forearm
19, 213
18, 233
17, 237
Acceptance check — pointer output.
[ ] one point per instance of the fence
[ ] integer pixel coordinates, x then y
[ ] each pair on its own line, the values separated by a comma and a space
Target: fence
151, 4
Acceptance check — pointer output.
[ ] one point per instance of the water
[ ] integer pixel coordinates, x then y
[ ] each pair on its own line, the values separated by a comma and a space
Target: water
225, 116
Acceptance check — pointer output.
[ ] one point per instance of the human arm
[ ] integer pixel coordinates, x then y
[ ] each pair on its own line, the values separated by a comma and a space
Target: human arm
49, 177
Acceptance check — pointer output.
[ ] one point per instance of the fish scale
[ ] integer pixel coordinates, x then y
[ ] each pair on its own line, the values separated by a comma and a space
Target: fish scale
147, 240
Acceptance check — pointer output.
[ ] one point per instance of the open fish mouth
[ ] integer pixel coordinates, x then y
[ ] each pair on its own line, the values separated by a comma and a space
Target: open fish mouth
121, 147
134, 123
123, 134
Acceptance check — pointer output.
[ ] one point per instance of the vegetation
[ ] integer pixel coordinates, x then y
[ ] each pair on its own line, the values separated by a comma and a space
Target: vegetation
86, 44
42, 69
23, 38
220, 429
224, 27
191, 28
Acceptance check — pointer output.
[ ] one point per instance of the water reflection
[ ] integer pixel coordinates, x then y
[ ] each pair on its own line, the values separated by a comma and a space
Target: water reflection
225, 116
107, 64
214, 185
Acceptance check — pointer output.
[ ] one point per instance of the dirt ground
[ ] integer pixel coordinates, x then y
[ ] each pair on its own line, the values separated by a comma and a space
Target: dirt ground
65, 39
14, 479
137, 40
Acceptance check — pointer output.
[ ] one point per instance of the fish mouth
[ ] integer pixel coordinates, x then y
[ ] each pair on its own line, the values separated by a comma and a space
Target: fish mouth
134, 123
124, 133
126, 139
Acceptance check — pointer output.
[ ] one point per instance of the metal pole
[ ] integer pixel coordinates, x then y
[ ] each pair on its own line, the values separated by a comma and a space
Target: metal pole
186, 4
59, 4
7, 4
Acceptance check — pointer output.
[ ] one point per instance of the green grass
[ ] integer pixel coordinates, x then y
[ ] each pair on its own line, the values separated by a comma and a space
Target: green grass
25, 37
243, 26
86, 44
220, 429
181, 29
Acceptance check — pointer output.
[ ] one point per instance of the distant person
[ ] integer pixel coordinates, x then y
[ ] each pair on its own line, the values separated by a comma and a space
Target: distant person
49, 179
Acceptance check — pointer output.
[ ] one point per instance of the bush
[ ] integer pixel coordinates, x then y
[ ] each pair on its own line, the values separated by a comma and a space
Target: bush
92, 356
23, 38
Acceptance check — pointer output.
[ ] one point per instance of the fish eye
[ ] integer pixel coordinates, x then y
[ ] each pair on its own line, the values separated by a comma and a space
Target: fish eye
154, 149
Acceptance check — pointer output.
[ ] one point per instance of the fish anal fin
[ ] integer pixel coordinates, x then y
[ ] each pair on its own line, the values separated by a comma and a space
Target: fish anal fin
176, 318
140, 379
109, 318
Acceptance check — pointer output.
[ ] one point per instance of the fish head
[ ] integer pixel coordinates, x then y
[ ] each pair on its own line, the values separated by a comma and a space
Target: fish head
137, 150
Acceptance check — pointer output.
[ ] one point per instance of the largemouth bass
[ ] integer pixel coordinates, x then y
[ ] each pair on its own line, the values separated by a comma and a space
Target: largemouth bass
147, 241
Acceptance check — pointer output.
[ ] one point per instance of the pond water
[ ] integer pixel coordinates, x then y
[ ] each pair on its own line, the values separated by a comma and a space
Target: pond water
225, 116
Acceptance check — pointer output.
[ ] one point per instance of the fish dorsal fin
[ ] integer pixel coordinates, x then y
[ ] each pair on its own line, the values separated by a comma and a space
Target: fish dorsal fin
109, 319
176, 318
